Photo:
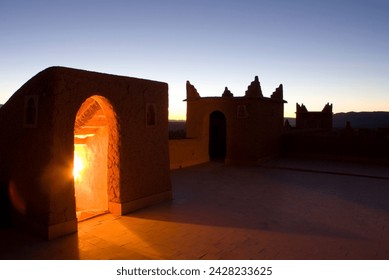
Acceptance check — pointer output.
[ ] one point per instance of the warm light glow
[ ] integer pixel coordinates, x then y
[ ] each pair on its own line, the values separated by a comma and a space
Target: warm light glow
17, 200
77, 166
79, 161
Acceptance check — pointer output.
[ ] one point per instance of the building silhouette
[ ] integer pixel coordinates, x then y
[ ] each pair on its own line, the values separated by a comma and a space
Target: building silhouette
314, 119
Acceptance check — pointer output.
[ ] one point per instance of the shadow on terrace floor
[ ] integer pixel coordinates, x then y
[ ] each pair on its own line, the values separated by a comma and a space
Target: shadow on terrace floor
234, 212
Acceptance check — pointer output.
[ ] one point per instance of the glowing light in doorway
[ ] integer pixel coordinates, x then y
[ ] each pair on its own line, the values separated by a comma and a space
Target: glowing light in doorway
79, 161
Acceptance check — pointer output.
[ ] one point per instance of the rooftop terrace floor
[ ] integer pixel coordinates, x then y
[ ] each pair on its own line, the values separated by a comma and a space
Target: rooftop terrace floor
283, 209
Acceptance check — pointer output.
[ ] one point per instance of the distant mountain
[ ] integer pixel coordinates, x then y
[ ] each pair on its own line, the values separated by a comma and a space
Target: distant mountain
362, 119
177, 129
357, 120
176, 125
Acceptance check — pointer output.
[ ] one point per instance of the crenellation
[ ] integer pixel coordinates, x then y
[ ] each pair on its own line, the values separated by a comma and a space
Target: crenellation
254, 89
227, 93
278, 93
327, 108
301, 108
191, 91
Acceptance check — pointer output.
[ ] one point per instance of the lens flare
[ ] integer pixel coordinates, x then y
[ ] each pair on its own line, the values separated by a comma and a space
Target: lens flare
78, 164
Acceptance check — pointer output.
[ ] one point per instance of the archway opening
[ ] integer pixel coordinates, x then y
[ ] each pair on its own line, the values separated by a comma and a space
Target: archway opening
5, 207
90, 166
217, 136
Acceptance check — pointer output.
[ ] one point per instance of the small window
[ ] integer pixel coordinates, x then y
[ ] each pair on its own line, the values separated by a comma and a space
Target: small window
31, 111
242, 112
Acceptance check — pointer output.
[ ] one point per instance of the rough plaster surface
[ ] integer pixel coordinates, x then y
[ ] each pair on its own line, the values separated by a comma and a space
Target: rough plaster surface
37, 161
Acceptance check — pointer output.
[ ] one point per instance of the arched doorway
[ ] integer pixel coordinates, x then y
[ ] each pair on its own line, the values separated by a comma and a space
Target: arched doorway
92, 136
5, 206
217, 136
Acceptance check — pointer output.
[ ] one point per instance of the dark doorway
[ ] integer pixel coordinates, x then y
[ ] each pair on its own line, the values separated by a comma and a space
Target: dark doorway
217, 136
5, 207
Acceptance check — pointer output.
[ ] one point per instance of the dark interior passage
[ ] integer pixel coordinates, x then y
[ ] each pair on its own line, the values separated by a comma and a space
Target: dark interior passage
217, 136
5, 218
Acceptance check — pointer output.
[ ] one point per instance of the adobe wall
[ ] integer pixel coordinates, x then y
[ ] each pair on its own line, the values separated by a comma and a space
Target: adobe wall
37, 161
142, 148
340, 144
254, 123
248, 139
187, 152
25, 156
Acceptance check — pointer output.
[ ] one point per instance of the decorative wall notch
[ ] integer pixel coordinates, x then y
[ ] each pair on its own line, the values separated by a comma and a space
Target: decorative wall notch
227, 93
241, 112
191, 91
278, 93
31, 103
254, 89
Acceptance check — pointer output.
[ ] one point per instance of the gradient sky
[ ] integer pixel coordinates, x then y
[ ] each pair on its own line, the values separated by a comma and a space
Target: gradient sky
321, 51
